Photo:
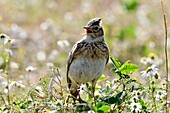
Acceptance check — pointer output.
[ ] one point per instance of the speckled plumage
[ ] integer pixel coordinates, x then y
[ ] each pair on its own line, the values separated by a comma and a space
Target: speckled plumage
87, 59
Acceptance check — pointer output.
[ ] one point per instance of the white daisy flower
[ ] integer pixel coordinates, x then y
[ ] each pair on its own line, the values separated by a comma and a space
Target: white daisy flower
135, 107
81, 89
144, 60
160, 95
4, 38
150, 71
12, 85
19, 84
136, 94
30, 68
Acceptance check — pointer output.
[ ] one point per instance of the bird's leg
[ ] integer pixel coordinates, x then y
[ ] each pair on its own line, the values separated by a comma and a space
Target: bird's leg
93, 89
75, 95
75, 92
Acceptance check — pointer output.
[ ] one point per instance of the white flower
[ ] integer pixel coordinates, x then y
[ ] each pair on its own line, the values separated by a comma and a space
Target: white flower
5, 91
68, 17
152, 58
134, 99
39, 88
160, 95
30, 68
91, 111
40, 92
152, 44
144, 60
81, 89
4, 38
14, 84
63, 44
41, 56
135, 107
136, 94
19, 84
14, 65
150, 71
50, 65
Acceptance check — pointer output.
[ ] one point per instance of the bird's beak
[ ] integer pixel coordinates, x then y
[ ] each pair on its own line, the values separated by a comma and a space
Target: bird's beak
88, 29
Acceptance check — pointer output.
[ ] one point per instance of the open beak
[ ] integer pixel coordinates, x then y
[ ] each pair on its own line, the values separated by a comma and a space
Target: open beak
88, 29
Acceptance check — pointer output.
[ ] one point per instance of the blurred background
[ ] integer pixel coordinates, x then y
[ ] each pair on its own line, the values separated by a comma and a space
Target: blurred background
45, 31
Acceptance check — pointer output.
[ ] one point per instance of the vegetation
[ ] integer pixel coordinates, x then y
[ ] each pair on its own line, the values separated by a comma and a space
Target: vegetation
36, 37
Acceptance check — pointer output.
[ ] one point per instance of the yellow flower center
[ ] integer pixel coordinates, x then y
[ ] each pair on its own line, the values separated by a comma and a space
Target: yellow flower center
156, 75
148, 69
152, 56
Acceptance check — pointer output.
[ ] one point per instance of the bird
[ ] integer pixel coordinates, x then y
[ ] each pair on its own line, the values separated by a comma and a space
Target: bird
87, 58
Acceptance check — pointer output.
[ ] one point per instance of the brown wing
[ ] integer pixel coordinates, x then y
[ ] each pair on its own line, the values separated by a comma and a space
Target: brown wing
72, 55
107, 53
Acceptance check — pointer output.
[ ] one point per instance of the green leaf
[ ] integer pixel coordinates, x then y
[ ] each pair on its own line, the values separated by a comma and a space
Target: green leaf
99, 104
105, 108
25, 105
128, 68
111, 100
131, 4
143, 104
127, 32
102, 77
115, 62
16, 103
134, 79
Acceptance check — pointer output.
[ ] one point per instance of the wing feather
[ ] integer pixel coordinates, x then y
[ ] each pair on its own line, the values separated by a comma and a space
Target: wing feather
72, 55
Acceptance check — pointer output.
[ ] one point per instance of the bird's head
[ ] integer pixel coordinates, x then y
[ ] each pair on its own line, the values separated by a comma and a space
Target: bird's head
94, 28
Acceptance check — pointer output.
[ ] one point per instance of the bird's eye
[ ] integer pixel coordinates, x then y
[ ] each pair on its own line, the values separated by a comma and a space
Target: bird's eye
96, 28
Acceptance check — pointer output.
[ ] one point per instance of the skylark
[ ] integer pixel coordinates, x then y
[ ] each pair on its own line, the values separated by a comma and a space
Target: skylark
88, 58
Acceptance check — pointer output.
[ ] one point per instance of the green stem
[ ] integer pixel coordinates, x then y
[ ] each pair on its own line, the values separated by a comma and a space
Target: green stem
3, 99
6, 71
153, 93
